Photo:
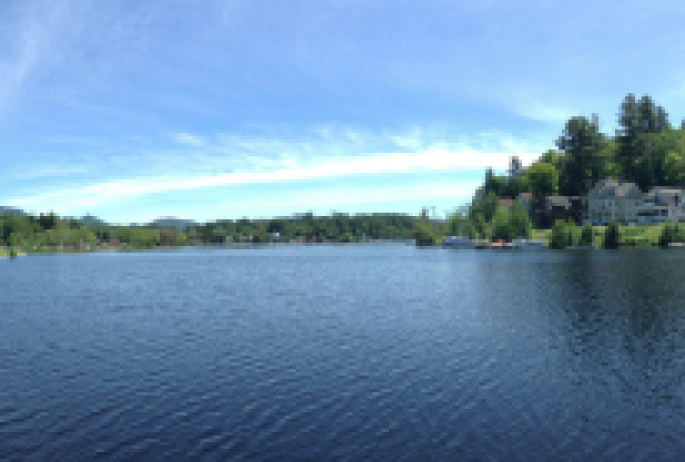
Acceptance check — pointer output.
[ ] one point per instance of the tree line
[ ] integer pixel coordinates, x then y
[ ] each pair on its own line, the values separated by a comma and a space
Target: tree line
50, 230
337, 227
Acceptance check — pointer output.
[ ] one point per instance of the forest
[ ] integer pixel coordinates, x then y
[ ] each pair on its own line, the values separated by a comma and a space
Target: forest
49, 231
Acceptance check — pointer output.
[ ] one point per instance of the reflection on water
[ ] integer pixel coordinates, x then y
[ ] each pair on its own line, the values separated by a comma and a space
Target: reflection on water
343, 352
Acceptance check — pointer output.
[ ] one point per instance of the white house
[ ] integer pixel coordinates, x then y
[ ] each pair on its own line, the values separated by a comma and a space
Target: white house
611, 201
662, 204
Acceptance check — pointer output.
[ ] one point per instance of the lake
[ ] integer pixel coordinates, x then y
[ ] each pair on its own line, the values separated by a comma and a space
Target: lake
343, 353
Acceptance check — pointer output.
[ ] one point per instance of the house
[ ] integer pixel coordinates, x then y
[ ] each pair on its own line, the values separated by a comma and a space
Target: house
662, 204
611, 201
564, 208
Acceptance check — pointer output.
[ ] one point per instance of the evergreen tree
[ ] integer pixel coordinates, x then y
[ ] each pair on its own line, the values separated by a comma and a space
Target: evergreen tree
636, 154
489, 186
582, 143
489, 206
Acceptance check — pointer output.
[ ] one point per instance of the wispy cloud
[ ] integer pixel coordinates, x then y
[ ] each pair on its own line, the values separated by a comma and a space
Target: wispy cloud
375, 195
222, 160
111, 191
188, 139
545, 112
42, 171
199, 162
16, 68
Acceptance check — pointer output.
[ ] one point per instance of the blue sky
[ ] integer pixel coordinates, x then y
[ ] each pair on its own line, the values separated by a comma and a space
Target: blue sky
134, 110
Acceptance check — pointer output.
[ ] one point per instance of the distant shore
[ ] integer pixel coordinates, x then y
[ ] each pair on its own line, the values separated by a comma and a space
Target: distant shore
4, 253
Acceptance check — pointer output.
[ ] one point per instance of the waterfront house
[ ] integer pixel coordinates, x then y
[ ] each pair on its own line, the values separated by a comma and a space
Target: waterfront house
661, 204
564, 208
611, 200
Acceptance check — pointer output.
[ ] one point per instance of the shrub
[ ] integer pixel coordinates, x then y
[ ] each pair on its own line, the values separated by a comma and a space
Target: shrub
612, 236
561, 236
672, 232
587, 236
424, 235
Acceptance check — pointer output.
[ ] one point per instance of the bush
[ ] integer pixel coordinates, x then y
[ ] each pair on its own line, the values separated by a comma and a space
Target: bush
561, 236
587, 236
501, 228
424, 235
672, 232
612, 236
13, 253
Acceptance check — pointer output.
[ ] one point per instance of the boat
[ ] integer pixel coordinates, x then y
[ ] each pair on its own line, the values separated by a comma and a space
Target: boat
459, 242
530, 243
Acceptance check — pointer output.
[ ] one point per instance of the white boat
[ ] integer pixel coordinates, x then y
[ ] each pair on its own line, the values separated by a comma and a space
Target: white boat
529, 243
460, 242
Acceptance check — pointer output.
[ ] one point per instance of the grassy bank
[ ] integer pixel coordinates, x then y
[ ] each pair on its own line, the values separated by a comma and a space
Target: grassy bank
5, 253
638, 236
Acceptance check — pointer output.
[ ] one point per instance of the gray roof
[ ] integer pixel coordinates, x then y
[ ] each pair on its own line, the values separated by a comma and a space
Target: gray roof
606, 183
666, 190
669, 196
567, 202
557, 201
611, 188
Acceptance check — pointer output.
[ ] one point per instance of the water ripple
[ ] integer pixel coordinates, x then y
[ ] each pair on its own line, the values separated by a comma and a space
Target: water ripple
390, 354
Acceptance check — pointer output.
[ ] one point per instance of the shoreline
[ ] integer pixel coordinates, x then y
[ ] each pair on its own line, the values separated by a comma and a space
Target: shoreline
574, 249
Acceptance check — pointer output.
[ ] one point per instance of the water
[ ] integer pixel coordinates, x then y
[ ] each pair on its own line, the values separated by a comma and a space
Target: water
343, 353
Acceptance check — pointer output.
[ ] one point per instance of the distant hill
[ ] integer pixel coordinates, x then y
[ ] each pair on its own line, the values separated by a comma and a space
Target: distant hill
12, 211
171, 222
